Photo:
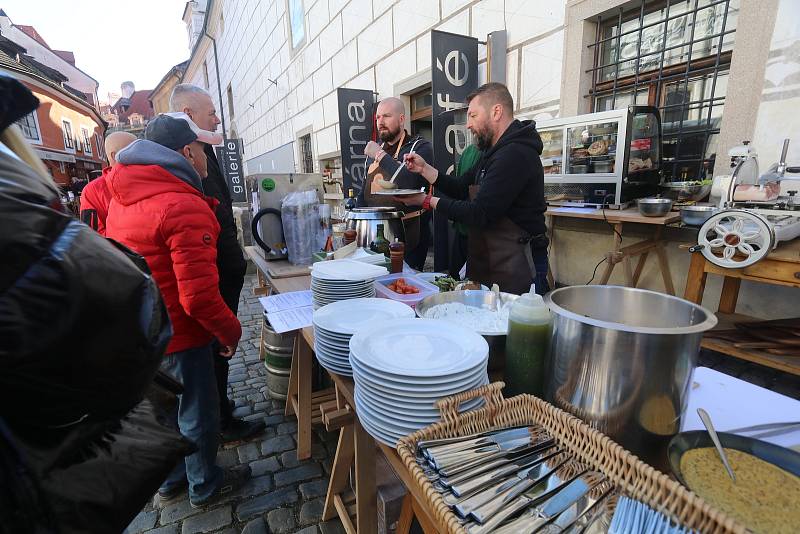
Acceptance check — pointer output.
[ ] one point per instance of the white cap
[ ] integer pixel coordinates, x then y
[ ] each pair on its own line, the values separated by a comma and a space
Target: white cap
204, 136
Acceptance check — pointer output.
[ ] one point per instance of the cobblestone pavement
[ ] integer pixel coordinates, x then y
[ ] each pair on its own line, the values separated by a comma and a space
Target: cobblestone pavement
283, 496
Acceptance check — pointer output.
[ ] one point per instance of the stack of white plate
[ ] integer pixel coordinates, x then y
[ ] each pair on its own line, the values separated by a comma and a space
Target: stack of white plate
335, 280
335, 324
402, 367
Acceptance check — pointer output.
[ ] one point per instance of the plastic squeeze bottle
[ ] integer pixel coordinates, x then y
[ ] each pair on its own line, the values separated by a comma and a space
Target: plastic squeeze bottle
529, 322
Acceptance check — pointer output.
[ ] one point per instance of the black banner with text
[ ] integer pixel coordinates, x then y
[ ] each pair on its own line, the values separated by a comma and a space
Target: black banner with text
229, 156
454, 75
355, 130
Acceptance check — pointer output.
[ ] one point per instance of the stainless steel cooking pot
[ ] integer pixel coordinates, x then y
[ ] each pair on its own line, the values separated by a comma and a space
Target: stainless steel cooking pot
365, 222
621, 359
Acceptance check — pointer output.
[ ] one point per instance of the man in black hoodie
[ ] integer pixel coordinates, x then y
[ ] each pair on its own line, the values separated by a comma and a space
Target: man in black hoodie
501, 199
197, 103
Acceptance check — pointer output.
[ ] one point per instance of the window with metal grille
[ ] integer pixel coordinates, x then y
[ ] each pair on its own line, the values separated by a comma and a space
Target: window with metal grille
306, 154
674, 54
69, 140
30, 127
87, 141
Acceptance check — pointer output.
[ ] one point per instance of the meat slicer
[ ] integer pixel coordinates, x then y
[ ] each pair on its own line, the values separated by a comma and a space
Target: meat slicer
754, 214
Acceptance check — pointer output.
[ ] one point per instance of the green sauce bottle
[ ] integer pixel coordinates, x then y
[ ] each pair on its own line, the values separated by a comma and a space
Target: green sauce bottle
529, 323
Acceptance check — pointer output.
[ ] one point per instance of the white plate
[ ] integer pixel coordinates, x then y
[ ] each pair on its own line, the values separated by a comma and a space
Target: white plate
349, 316
403, 409
417, 382
336, 369
368, 417
416, 393
398, 192
419, 347
338, 345
389, 440
342, 287
348, 270
420, 404
338, 339
413, 421
332, 354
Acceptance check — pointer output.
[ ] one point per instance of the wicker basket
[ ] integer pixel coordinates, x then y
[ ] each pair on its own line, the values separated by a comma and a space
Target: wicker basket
589, 446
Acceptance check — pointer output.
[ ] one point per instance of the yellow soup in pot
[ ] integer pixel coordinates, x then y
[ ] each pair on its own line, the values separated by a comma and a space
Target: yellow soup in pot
765, 498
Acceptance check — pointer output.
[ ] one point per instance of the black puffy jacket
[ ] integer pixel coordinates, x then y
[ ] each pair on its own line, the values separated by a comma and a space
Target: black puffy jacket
230, 259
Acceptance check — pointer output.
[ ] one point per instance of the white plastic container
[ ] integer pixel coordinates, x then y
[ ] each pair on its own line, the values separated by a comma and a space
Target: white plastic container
425, 289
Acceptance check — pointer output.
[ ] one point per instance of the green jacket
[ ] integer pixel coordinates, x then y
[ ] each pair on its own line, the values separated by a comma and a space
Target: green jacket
469, 158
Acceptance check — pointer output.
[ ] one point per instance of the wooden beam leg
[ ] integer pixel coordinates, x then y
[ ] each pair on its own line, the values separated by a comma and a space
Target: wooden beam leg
610, 262
628, 270
366, 493
639, 268
406, 515
696, 279
304, 370
293, 379
340, 471
663, 263
730, 294
427, 526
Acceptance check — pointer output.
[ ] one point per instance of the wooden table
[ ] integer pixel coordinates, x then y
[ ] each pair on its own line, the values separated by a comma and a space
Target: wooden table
300, 399
356, 447
335, 408
781, 267
620, 254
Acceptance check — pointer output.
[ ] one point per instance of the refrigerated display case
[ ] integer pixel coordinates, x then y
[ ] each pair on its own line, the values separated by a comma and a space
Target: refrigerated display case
610, 157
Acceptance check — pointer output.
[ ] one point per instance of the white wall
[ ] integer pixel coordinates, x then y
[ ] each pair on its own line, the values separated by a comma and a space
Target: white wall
362, 44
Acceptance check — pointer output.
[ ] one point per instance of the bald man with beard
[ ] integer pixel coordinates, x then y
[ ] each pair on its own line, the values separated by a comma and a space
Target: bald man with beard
95, 196
385, 163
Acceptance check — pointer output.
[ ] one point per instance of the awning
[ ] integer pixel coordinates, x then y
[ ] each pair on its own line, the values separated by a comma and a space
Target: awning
54, 156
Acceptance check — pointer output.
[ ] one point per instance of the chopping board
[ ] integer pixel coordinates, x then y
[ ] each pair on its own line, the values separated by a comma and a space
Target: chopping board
284, 269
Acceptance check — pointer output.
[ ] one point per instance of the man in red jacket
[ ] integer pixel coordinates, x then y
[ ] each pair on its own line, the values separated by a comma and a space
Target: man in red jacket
159, 210
95, 196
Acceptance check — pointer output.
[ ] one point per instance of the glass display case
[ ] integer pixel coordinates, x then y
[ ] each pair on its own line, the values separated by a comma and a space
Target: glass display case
611, 157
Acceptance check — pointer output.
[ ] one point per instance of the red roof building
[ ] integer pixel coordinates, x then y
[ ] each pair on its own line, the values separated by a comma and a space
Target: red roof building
138, 102
66, 131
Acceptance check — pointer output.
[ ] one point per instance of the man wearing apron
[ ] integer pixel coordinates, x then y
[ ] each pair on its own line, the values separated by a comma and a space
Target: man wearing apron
385, 162
501, 199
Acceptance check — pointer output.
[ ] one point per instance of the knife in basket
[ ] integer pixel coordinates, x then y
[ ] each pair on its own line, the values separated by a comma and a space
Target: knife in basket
496, 493
536, 490
496, 476
511, 458
568, 495
466, 461
443, 455
433, 447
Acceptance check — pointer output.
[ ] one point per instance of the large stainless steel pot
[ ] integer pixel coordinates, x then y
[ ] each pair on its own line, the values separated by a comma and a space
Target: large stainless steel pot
622, 359
365, 222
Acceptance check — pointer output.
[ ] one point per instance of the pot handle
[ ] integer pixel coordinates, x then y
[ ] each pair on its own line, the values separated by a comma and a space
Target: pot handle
254, 226
448, 406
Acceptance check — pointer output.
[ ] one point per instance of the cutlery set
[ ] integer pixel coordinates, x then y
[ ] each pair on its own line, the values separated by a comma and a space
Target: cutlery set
519, 481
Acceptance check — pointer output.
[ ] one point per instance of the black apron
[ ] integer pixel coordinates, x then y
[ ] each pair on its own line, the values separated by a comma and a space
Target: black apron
500, 253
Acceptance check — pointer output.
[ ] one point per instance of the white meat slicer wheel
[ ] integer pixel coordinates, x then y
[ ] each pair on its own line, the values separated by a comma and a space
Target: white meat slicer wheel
735, 239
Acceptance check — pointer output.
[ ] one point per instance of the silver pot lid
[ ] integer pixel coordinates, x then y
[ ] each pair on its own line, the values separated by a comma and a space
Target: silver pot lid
367, 214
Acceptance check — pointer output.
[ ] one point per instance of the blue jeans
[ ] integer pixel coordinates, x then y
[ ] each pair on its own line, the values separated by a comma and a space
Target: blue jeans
198, 421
